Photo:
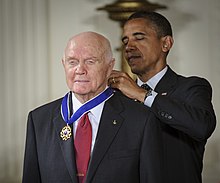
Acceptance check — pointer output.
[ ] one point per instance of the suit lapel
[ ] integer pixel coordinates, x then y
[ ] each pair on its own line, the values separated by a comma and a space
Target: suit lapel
110, 123
67, 147
167, 82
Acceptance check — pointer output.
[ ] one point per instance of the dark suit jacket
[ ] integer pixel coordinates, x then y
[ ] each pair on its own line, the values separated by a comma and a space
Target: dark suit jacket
126, 152
187, 118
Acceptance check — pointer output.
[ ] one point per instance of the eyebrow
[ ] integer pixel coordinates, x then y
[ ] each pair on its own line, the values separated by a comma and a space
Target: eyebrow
91, 57
69, 58
134, 34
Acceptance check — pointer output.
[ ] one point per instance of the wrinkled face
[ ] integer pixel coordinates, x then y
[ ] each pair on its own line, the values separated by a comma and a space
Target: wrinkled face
86, 67
142, 47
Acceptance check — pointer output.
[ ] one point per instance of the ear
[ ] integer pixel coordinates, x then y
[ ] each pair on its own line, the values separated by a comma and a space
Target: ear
167, 43
63, 59
112, 63
63, 62
111, 66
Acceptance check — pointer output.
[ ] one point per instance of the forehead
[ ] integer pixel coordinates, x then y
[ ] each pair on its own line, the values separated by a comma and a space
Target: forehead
137, 25
83, 48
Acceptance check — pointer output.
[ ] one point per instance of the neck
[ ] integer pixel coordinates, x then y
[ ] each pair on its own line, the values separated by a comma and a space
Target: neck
150, 73
83, 98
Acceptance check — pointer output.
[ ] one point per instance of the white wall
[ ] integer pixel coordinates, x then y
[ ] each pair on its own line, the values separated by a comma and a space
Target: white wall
23, 77
33, 35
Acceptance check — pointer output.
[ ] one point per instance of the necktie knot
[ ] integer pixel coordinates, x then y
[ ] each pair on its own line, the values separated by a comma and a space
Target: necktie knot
84, 121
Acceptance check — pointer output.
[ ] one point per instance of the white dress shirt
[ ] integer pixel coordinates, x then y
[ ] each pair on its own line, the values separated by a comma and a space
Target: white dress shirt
94, 117
152, 82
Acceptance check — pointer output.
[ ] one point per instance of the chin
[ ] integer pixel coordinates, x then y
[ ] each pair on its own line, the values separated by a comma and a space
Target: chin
80, 90
136, 71
133, 69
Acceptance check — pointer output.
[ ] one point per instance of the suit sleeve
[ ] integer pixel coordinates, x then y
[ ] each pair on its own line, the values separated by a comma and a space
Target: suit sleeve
151, 154
31, 172
188, 109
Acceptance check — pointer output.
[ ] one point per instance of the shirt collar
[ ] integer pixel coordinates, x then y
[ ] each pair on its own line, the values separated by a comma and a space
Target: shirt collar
152, 82
95, 112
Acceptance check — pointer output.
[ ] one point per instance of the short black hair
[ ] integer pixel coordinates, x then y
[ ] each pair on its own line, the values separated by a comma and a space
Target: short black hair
160, 23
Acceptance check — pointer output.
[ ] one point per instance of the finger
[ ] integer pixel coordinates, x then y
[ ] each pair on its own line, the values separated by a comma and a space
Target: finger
111, 80
115, 85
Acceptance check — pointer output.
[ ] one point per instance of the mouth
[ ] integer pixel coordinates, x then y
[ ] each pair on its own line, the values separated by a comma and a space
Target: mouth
133, 58
79, 81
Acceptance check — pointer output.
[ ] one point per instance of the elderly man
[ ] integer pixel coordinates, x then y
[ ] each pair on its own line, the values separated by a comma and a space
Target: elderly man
93, 134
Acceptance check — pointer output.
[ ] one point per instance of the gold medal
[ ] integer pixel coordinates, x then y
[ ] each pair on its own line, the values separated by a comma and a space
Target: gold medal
66, 133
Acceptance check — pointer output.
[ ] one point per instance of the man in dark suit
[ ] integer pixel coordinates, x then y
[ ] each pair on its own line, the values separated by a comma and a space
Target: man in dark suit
181, 104
124, 146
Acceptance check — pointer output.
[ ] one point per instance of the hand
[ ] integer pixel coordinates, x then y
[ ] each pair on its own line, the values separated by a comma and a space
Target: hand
126, 85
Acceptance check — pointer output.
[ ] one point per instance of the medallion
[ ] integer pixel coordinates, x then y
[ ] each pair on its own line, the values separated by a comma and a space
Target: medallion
66, 133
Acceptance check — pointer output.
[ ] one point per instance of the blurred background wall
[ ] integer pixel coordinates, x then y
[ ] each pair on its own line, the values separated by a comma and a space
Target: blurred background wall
33, 34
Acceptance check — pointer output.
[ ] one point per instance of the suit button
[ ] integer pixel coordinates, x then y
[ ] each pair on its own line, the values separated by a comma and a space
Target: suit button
166, 115
162, 113
170, 117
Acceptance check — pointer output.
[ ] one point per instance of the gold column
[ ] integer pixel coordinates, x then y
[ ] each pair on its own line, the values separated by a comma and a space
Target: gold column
120, 10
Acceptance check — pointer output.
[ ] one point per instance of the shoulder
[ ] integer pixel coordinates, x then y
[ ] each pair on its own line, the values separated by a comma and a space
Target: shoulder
193, 79
190, 80
129, 105
193, 82
187, 82
135, 115
42, 116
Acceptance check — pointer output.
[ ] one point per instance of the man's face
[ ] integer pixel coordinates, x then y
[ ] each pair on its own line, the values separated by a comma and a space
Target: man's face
85, 66
142, 47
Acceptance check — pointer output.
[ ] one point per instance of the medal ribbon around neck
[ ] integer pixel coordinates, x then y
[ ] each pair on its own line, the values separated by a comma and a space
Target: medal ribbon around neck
65, 133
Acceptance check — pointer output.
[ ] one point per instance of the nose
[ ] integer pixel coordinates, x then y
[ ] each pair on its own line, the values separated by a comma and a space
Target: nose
80, 69
129, 46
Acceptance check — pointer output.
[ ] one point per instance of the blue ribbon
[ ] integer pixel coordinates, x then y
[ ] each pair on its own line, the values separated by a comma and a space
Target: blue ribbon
65, 111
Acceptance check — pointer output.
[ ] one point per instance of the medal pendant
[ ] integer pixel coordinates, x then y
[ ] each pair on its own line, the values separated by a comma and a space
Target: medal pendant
66, 133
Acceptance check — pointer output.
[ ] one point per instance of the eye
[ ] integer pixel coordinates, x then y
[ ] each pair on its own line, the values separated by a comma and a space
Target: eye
139, 36
90, 62
72, 62
125, 41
